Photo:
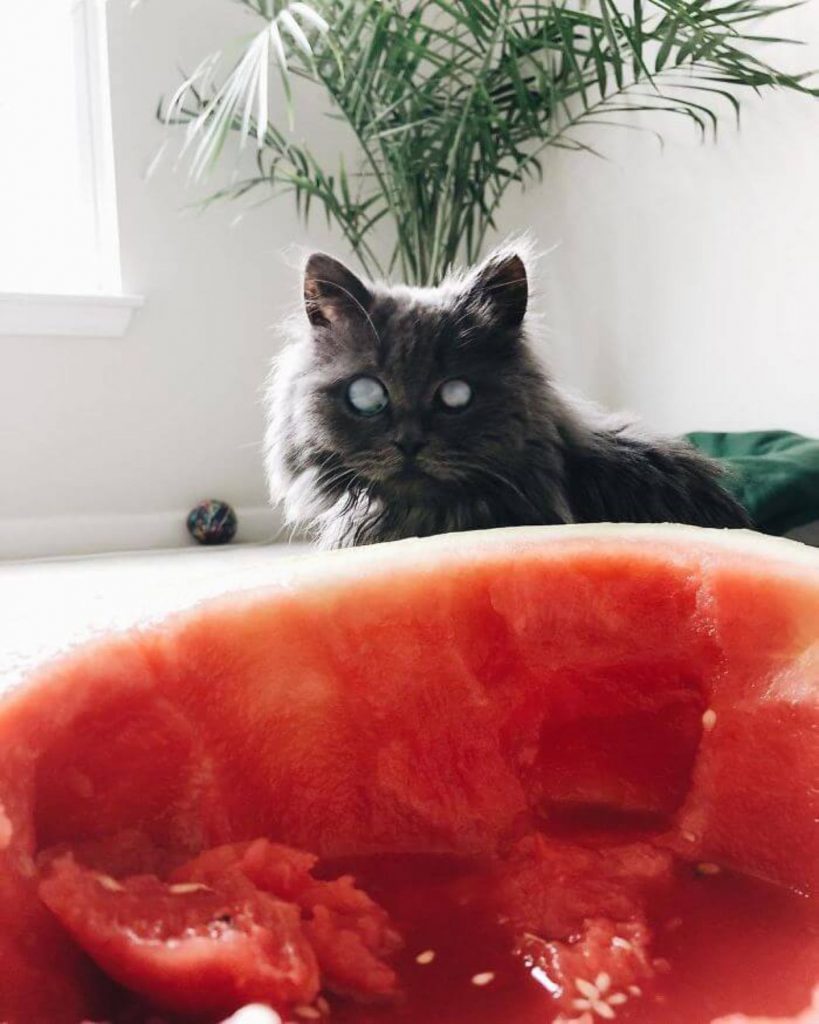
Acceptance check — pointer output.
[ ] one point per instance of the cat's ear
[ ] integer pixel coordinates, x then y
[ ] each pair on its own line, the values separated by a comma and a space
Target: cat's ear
500, 287
332, 292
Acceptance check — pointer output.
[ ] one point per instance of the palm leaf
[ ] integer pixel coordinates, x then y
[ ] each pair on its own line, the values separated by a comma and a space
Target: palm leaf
451, 102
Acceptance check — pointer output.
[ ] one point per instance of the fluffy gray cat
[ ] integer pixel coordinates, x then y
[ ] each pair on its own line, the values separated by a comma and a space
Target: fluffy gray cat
398, 412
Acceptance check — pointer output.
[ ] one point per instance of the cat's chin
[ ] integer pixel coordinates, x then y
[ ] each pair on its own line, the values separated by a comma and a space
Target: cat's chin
411, 480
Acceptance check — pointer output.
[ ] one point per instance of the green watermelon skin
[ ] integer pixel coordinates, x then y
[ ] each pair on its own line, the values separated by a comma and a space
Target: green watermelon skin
428, 696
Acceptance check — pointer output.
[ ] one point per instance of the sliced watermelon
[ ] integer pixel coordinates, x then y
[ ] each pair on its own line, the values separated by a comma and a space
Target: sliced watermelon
452, 696
186, 947
349, 934
237, 924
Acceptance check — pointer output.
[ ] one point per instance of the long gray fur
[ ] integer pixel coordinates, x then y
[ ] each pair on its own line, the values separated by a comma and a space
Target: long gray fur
521, 453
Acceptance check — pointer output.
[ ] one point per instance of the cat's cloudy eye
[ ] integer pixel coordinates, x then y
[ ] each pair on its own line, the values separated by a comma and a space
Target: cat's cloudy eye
455, 394
367, 396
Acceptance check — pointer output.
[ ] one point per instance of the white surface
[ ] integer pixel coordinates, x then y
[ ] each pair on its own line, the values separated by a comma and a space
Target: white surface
50, 606
95, 109
683, 287
57, 189
29, 537
84, 316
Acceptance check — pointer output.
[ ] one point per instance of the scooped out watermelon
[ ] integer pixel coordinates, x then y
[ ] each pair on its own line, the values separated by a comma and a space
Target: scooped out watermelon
558, 774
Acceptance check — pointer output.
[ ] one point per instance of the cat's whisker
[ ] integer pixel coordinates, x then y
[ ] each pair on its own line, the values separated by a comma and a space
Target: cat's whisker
484, 470
326, 479
330, 457
355, 487
347, 476
332, 479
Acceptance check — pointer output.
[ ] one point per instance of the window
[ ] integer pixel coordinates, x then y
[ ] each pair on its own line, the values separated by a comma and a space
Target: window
58, 224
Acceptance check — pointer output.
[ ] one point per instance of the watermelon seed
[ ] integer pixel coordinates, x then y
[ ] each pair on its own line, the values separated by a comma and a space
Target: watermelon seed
184, 888
109, 883
307, 1013
708, 869
596, 999
594, 1006
323, 1005
6, 829
426, 957
635, 990
484, 978
689, 837
709, 719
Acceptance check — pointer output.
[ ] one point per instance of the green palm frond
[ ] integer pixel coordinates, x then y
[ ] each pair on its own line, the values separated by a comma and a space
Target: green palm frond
241, 102
451, 102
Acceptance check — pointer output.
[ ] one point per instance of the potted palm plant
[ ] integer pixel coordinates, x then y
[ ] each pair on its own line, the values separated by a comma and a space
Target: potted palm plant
452, 102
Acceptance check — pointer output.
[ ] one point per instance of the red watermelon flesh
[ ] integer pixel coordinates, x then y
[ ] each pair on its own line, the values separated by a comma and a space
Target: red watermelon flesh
227, 928
526, 724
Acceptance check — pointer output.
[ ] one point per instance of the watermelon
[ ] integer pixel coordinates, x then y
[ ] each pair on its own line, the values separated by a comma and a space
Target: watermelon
547, 774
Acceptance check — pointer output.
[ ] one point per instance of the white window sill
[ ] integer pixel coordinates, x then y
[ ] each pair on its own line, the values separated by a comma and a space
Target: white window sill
85, 316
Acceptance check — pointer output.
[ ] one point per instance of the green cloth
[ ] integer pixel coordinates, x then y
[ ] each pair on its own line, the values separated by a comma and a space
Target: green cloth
775, 474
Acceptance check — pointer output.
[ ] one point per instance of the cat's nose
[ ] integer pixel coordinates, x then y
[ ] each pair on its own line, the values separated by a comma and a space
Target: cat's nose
409, 444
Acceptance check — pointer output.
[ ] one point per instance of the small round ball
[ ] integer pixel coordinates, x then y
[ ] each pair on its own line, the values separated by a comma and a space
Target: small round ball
212, 522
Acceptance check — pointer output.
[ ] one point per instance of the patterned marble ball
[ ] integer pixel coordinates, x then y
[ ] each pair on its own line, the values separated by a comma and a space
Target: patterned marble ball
212, 522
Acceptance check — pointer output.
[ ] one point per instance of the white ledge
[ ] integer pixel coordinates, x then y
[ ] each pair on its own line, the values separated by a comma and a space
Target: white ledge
31, 537
85, 316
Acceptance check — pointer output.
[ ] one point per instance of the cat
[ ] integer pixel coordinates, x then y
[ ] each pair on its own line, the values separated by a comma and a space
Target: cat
398, 412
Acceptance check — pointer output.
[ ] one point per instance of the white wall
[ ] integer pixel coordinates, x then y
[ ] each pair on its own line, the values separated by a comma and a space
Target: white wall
108, 442
684, 285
